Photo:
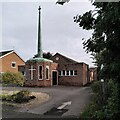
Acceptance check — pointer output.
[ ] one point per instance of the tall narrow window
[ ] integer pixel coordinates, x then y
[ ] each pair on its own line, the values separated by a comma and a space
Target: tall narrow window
47, 72
32, 69
67, 73
64, 73
40, 72
59, 73
71, 72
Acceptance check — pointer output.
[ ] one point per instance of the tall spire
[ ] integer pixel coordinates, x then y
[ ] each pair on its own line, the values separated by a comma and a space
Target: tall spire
39, 35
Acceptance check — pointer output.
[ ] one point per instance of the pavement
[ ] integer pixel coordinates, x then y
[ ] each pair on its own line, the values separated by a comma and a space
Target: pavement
65, 101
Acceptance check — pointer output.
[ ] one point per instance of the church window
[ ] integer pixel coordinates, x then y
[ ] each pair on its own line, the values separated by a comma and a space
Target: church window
57, 58
13, 64
40, 72
64, 72
71, 72
67, 72
59, 73
32, 69
47, 72
75, 72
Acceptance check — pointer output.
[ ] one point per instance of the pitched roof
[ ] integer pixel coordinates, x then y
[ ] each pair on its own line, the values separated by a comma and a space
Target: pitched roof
68, 59
5, 52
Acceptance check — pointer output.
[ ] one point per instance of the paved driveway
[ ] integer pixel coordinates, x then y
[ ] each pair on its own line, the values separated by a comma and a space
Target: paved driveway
70, 100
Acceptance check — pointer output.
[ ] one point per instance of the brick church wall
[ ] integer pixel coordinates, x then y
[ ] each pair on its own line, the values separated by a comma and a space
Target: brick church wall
64, 63
71, 80
36, 81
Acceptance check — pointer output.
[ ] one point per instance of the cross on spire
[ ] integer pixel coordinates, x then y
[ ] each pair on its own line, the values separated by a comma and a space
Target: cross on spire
39, 8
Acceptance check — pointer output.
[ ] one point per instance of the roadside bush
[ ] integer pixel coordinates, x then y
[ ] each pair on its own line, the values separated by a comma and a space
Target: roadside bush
13, 78
99, 109
112, 107
20, 97
97, 87
5, 97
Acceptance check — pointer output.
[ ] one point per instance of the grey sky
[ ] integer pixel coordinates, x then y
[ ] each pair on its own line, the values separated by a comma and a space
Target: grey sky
59, 32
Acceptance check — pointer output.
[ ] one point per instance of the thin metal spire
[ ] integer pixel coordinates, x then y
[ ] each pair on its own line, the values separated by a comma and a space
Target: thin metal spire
40, 54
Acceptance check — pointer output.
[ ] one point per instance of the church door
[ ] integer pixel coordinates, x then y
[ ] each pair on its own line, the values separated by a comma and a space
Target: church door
54, 77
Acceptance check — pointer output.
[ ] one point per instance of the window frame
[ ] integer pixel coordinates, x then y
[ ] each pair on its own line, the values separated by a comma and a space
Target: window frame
64, 72
68, 71
47, 72
72, 72
12, 64
39, 72
75, 71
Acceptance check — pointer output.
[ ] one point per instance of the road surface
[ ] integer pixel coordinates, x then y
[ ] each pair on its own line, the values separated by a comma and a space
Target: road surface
65, 101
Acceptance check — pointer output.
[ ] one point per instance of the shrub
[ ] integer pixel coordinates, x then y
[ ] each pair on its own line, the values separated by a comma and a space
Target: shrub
107, 109
112, 107
22, 96
6, 97
97, 87
13, 78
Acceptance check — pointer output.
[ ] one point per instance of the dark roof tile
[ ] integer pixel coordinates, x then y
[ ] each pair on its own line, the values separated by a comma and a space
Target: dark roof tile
5, 52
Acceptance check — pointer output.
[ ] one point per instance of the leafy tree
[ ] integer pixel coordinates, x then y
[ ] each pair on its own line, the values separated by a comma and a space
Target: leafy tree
45, 55
104, 44
61, 2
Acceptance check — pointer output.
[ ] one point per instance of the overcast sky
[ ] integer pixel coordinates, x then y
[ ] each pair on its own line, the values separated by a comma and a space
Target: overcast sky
59, 32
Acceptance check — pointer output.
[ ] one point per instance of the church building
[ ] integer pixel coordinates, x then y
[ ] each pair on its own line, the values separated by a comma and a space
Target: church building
71, 72
40, 71
58, 70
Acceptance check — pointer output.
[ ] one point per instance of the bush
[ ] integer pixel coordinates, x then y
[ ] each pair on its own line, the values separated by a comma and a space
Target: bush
6, 97
20, 97
97, 87
107, 109
13, 78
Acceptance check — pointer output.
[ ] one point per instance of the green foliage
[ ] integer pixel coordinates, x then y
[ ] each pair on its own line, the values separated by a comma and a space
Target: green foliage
105, 46
20, 97
6, 97
104, 43
47, 55
103, 109
61, 2
97, 87
112, 107
13, 78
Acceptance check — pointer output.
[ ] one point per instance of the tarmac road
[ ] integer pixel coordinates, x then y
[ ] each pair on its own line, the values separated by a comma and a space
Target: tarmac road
71, 100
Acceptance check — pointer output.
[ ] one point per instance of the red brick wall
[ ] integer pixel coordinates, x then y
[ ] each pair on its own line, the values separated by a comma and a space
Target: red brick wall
80, 79
61, 59
36, 81
82, 69
85, 74
7, 60
93, 74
